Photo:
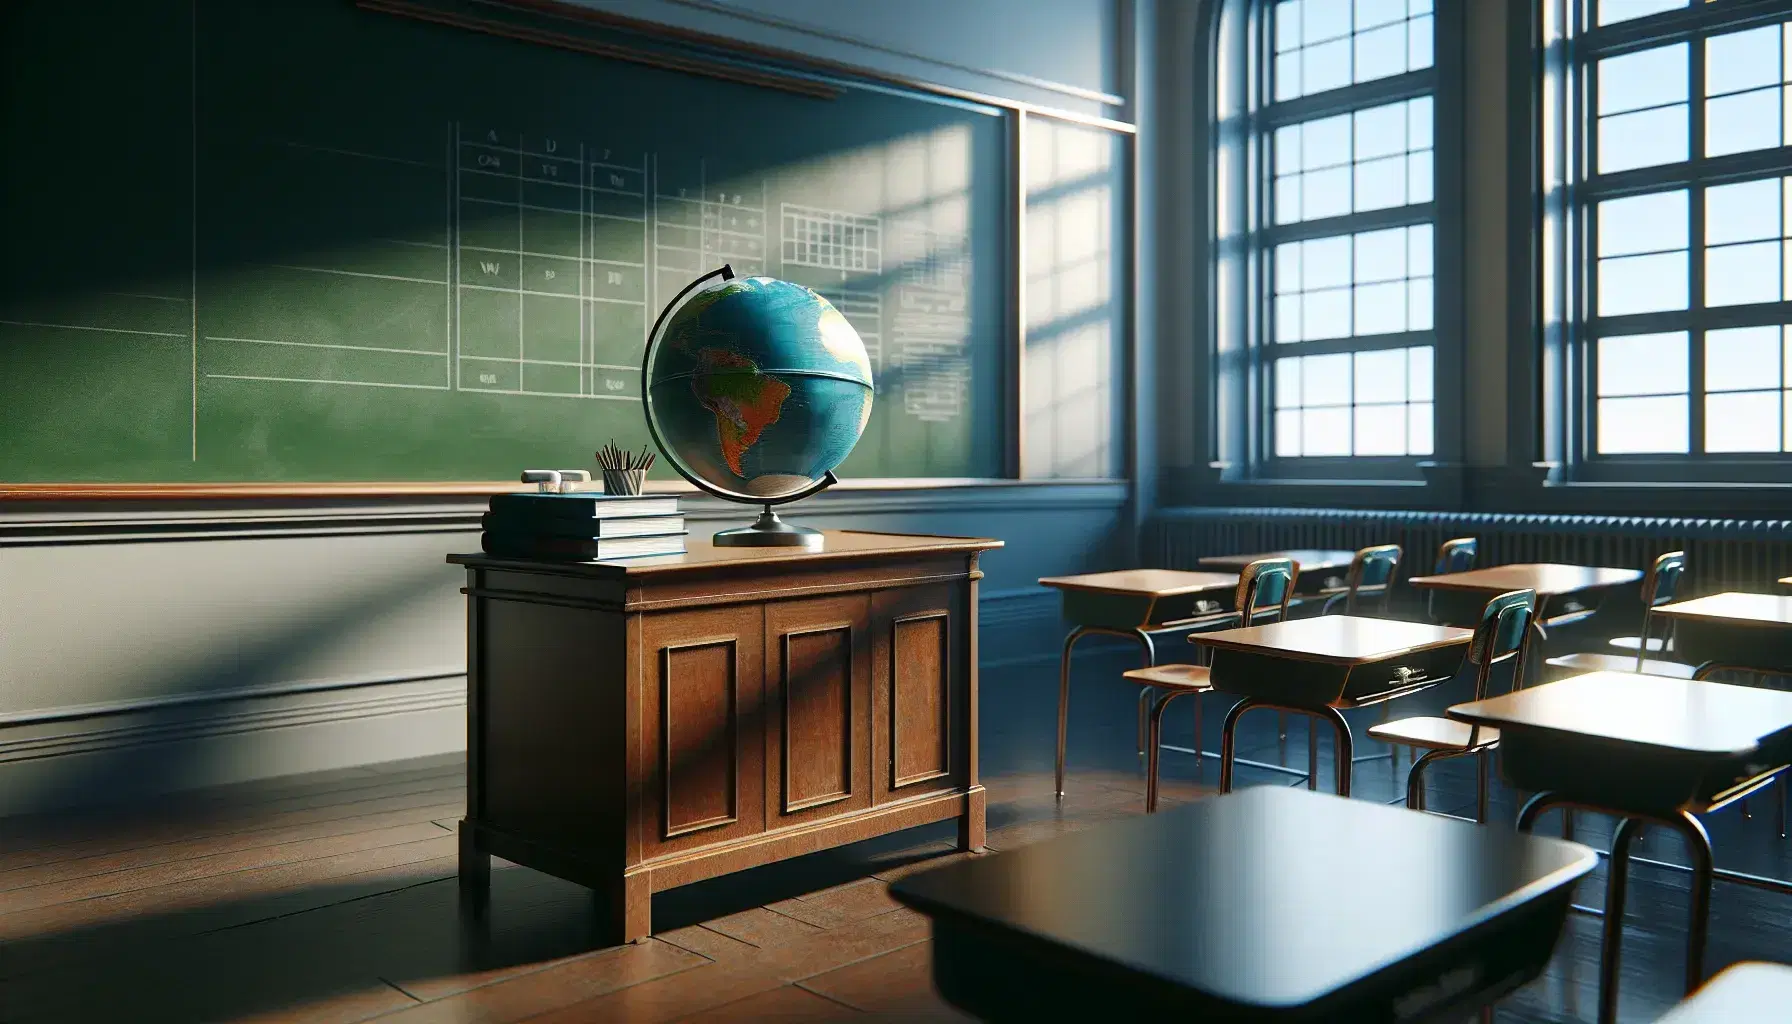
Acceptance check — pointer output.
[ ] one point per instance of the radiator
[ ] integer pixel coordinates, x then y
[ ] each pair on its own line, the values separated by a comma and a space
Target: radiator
1722, 554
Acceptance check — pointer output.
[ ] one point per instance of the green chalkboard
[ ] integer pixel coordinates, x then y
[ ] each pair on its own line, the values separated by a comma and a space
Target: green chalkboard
303, 241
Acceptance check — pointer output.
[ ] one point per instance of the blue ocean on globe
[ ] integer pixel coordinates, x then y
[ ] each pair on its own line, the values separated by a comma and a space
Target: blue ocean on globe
759, 387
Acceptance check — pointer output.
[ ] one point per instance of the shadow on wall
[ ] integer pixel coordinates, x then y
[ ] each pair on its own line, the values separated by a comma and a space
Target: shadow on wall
107, 758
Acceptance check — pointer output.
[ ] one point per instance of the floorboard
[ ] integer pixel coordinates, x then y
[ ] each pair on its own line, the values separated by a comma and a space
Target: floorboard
332, 898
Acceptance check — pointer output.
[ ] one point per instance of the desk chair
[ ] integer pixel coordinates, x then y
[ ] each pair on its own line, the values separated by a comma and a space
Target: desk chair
1265, 584
1659, 588
1456, 555
1369, 583
1502, 635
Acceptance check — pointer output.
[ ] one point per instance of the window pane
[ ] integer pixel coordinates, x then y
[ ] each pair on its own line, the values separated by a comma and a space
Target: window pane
1370, 13
1642, 284
1746, 421
1738, 274
1418, 250
1325, 314
1381, 376
1418, 373
1742, 60
1288, 267
1287, 147
1325, 431
1647, 223
1742, 358
1287, 75
1418, 122
1624, 10
1381, 184
1418, 429
1419, 176
1381, 52
1380, 308
1326, 66
1325, 193
1418, 304
1325, 262
1381, 430
1743, 212
1287, 19
1287, 374
1381, 255
1643, 139
1736, 124
1647, 78
1640, 425
1419, 44
1324, 19
1325, 380
1380, 131
1288, 434
1325, 142
1287, 199
1643, 364
1288, 318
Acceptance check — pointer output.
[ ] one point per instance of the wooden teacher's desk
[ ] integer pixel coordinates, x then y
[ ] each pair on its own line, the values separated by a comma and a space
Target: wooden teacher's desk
635, 726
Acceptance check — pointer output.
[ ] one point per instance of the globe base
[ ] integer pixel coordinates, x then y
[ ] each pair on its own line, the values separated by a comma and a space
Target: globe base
768, 531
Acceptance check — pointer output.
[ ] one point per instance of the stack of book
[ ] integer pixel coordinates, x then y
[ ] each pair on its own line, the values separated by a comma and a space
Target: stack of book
583, 526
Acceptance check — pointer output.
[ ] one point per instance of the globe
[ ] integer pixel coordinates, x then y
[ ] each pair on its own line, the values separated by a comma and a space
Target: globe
759, 389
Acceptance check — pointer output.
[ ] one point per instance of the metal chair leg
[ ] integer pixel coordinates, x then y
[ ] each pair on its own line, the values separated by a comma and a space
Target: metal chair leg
1281, 725
1155, 751
1199, 738
1064, 700
1341, 732
1785, 797
1229, 742
1698, 842
1617, 874
1481, 773
1415, 782
1146, 695
1312, 754
1568, 823
1533, 808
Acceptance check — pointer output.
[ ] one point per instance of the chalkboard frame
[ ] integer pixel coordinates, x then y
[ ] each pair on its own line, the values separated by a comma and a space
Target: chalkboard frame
746, 63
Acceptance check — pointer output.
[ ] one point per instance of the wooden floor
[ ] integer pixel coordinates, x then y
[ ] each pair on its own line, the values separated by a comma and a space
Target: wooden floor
332, 898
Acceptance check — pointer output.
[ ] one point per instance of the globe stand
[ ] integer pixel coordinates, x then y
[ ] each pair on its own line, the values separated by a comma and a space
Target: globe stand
768, 531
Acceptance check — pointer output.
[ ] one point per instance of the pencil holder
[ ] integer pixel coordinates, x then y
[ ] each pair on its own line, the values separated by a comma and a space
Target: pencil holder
624, 481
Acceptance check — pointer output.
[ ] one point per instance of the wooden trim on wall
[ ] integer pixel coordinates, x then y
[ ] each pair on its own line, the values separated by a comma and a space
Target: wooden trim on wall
93, 491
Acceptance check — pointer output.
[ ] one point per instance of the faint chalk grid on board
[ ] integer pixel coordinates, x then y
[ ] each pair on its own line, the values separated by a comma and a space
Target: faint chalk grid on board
831, 239
932, 323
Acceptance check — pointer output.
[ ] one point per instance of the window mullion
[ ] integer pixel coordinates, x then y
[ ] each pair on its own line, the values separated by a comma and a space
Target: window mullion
1695, 250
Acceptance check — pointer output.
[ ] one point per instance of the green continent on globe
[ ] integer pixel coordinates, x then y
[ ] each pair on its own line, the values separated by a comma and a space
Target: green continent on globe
743, 399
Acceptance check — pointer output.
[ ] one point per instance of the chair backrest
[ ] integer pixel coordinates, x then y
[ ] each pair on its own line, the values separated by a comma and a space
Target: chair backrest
1502, 635
1660, 585
1456, 556
1265, 583
1372, 568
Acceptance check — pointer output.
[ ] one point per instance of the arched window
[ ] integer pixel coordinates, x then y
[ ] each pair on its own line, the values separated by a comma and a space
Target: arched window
1329, 221
1668, 242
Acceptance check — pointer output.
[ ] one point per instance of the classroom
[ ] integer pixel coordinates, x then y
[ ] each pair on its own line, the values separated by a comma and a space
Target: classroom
902, 510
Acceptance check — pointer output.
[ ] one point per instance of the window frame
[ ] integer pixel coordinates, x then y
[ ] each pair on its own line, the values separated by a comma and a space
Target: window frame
1572, 46
1244, 237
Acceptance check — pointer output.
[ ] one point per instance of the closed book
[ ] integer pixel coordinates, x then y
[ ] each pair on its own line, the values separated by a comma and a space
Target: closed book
595, 549
583, 505
584, 529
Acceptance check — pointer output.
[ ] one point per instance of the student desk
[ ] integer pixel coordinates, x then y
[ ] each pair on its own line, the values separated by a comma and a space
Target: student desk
1646, 749
1271, 904
1319, 666
1749, 631
1743, 993
1309, 564
1461, 595
1139, 604
638, 725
